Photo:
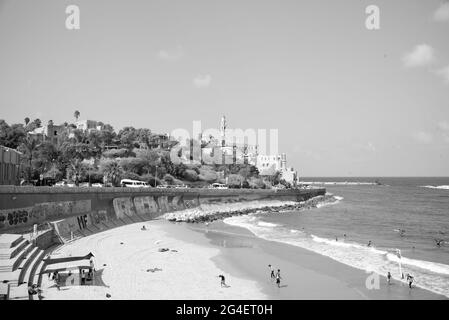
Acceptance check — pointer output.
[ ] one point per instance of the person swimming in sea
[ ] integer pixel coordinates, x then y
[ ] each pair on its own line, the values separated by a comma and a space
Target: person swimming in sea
438, 242
369, 243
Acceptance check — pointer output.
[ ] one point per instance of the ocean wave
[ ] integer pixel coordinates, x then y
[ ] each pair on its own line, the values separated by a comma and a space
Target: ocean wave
444, 187
267, 224
340, 183
428, 275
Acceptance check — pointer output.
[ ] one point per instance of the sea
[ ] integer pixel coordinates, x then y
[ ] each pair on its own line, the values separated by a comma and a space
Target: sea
403, 218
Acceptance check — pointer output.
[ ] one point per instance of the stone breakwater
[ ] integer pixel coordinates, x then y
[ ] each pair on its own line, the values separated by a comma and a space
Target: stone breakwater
211, 212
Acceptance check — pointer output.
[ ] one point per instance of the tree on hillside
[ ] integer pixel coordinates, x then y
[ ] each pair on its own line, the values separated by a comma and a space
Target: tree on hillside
127, 137
111, 170
28, 147
235, 181
27, 120
37, 122
11, 136
76, 114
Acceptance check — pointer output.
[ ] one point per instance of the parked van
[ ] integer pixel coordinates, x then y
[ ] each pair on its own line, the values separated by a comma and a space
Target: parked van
133, 183
218, 186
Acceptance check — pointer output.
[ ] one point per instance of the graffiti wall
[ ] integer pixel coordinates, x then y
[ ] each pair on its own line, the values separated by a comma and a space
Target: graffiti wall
41, 212
123, 207
146, 206
72, 224
176, 203
162, 201
98, 217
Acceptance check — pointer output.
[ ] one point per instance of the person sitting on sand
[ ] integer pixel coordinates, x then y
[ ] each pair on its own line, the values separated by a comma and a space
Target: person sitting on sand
143, 228
278, 278
222, 278
33, 289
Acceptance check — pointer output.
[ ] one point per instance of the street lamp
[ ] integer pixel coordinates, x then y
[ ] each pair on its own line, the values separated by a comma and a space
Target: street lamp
155, 176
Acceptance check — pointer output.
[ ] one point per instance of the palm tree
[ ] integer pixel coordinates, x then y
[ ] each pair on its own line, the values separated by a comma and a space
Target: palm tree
27, 120
77, 114
112, 171
28, 146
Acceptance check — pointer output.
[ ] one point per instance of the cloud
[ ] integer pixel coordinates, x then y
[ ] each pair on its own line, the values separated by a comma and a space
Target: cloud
442, 13
171, 55
202, 81
422, 137
444, 73
420, 56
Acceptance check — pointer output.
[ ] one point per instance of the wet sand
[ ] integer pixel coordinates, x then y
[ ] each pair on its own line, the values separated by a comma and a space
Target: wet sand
306, 275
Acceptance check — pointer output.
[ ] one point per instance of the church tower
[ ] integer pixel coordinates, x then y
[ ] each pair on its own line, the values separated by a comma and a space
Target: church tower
223, 131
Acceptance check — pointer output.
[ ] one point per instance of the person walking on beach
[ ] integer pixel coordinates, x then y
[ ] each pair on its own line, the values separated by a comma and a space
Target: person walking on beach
278, 278
389, 277
222, 278
272, 275
410, 280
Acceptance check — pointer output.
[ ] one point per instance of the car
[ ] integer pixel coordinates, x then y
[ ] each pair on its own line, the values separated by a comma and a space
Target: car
84, 185
97, 185
60, 184
218, 186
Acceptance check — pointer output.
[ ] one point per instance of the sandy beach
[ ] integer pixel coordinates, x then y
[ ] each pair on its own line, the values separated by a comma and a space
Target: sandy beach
125, 255
125, 258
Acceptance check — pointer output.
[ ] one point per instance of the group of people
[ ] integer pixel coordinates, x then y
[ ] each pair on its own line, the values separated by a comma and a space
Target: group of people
34, 289
410, 279
275, 275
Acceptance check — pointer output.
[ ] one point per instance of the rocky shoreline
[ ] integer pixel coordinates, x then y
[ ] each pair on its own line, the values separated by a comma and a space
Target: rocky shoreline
207, 213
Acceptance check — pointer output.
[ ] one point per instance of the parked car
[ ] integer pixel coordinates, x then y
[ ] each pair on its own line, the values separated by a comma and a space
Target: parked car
218, 186
60, 184
97, 185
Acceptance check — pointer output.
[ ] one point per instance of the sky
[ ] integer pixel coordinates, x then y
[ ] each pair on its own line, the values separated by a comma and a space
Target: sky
346, 100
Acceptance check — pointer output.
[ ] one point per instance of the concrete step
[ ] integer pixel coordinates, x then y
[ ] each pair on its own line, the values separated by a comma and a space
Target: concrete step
118, 222
14, 263
10, 240
20, 292
126, 220
28, 262
10, 253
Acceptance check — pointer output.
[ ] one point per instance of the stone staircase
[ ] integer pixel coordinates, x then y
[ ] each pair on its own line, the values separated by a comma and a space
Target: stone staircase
18, 262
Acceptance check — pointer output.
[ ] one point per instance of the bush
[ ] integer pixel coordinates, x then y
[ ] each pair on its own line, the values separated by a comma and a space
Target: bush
118, 153
190, 175
235, 181
149, 178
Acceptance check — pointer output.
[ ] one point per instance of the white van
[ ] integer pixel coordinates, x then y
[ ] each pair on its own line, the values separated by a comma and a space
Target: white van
133, 183
218, 186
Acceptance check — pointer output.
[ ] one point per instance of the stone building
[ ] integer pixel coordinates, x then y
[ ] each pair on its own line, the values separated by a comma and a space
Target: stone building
9, 166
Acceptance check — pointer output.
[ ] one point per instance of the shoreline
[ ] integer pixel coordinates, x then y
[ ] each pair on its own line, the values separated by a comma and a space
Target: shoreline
307, 275
199, 253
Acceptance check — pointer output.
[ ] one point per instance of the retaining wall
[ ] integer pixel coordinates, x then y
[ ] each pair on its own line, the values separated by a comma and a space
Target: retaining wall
21, 207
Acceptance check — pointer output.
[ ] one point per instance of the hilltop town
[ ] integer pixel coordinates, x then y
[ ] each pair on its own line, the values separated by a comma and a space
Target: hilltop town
92, 153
